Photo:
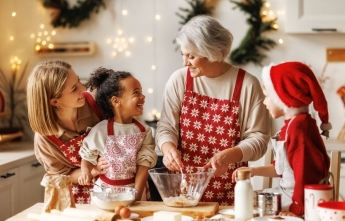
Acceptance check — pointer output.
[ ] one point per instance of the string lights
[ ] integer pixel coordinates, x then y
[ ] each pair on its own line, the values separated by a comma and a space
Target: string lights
120, 43
43, 38
268, 14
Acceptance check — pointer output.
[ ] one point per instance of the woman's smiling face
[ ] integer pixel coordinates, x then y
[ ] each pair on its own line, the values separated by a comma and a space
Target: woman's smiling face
72, 94
198, 66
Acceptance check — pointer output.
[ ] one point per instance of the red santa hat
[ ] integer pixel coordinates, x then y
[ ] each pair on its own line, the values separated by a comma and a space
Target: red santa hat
293, 86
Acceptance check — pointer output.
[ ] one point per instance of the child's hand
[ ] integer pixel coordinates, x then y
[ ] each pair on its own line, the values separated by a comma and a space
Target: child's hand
85, 179
102, 166
234, 174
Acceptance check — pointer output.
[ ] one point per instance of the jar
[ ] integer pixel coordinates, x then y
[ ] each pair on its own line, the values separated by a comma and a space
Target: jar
243, 196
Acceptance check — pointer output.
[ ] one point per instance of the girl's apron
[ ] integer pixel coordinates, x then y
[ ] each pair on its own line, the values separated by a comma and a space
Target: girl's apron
71, 151
282, 167
121, 153
208, 126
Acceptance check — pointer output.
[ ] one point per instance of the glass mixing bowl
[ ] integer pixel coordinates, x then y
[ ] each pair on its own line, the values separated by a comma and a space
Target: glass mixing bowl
168, 184
111, 197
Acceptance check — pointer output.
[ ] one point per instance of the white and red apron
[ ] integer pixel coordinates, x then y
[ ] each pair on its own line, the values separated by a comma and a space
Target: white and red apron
121, 153
208, 126
71, 151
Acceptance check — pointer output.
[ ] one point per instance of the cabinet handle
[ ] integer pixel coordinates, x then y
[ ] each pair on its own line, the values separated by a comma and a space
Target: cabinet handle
36, 164
325, 29
8, 175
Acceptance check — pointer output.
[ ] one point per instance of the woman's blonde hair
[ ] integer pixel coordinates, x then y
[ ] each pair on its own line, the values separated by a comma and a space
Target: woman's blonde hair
205, 37
46, 81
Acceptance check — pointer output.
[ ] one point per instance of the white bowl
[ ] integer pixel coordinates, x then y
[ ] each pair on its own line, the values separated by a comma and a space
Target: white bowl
109, 198
331, 211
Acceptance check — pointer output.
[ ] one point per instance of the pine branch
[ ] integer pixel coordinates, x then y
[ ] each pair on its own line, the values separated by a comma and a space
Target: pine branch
248, 50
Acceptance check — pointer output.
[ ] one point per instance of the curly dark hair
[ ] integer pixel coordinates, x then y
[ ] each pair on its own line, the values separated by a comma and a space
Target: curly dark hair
108, 84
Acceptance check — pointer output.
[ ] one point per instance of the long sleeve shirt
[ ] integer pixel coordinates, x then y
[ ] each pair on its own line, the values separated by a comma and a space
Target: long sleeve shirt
254, 117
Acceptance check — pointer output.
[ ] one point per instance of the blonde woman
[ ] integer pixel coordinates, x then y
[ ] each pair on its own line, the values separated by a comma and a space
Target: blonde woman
60, 111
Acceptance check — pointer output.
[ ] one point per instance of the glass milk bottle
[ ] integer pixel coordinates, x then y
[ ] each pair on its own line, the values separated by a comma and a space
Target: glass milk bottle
243, 196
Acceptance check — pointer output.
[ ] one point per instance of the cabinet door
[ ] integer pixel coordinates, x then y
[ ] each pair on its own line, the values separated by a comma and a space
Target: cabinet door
9, 189
315, 16
31, 191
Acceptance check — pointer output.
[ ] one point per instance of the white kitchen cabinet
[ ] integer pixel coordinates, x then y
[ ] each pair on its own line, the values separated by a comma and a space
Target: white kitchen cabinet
9, 193
20, 177
315, 16
31, 192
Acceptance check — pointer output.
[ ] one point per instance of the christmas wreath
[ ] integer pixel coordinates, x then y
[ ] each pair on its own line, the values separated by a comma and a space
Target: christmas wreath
252, 44
71, 17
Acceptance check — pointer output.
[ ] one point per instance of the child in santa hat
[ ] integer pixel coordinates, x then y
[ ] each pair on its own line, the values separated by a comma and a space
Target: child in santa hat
300, 154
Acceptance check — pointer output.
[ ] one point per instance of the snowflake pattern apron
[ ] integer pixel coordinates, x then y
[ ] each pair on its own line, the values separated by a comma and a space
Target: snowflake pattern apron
121, 153
208, 126
71, 151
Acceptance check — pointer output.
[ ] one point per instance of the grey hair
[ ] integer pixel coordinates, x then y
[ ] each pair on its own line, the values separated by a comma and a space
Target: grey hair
205, 37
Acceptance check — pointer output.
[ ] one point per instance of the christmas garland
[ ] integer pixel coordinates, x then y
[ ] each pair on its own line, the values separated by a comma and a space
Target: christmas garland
250, 47
199, 7
65, 16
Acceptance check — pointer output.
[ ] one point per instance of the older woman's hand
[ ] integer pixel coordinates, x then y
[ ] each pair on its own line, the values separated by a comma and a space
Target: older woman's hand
219, 163
172, 157
221, 160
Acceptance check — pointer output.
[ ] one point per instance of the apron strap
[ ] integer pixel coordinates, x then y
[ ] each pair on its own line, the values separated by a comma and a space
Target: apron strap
55, 140
326, 180
238, 86
117, 182
189, 83
110, 126
93, 105
141, 127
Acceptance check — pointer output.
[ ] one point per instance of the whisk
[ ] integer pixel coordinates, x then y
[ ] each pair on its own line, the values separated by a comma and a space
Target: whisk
184, 184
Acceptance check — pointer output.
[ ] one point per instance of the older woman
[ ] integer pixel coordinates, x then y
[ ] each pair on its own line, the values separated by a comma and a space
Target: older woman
60, 111
213, 113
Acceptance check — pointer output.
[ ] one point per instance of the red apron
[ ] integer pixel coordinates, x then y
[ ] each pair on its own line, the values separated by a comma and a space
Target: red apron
208, 126
71, 151
121, 153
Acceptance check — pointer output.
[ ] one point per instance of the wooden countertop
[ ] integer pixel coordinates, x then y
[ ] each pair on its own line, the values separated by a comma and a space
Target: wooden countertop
22, 216
14, 154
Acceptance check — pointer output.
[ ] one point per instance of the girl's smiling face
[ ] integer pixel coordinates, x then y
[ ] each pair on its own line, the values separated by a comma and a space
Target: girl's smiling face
131, 102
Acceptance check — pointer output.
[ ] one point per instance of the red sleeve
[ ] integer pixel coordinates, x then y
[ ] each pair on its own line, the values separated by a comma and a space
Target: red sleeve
307, 157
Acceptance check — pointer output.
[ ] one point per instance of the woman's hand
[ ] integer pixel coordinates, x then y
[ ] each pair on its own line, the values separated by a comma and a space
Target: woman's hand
172, 157
101, 167
85, 179
220, 161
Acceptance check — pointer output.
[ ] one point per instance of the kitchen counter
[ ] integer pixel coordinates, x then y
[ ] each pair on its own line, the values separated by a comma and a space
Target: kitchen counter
14, 154
22, 216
